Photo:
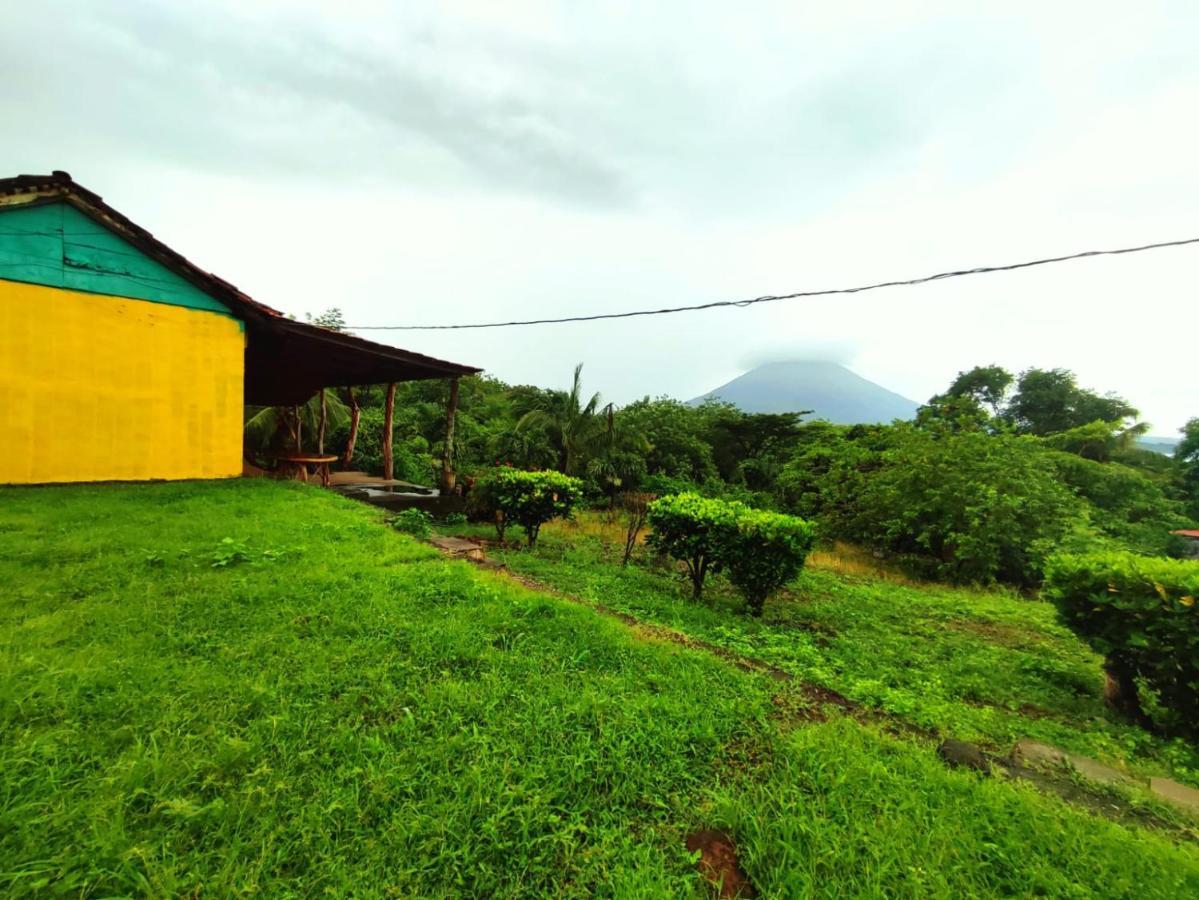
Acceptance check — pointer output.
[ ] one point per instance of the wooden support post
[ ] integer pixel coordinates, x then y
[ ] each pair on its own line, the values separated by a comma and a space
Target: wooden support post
355, 416
295, 411
448, 477
320, 432
388, 419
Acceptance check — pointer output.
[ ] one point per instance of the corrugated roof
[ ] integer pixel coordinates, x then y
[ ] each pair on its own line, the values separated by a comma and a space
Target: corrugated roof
280, 360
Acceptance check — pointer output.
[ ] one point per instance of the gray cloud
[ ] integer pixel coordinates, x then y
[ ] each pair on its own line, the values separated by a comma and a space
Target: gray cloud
467, 161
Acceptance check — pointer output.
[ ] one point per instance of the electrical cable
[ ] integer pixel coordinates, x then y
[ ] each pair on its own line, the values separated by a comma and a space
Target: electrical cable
771, 298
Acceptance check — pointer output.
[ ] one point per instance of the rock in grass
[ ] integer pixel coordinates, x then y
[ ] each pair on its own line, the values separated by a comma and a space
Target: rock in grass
964, 755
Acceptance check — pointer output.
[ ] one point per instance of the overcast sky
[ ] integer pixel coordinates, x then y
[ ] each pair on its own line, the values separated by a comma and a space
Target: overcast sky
458, 162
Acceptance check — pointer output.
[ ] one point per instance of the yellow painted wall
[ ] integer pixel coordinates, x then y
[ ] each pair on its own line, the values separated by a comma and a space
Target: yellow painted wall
98, 388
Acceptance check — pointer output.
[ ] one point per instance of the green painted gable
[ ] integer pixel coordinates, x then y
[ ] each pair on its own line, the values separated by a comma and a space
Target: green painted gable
56, 245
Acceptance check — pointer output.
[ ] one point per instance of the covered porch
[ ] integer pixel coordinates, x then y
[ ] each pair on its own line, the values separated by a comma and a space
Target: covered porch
289, 363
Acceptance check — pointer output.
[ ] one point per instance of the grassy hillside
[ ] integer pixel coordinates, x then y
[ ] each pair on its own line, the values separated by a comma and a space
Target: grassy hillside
984, 666
255, 688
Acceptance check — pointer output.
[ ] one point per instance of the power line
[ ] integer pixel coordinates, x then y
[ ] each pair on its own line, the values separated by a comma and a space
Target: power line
770, 298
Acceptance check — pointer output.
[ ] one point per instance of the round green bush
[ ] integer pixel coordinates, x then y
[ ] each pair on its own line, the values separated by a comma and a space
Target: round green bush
1142, 614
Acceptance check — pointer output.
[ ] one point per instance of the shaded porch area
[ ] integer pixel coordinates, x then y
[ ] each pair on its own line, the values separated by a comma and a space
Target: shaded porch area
290, 370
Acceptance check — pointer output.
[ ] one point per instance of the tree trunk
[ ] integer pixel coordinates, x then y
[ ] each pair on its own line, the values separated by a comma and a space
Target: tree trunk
320, 432
388, 424
448, 477
1120, 692
355, 416
295, 411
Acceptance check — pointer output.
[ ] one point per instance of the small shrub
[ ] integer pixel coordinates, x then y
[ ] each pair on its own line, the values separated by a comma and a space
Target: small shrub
695, 530
413, 521
530, 499
1141, 614
636, 510
767, 551
229, 553
455, 518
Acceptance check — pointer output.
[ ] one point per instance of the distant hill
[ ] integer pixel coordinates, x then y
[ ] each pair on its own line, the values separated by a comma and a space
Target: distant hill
834, 392
1159, 444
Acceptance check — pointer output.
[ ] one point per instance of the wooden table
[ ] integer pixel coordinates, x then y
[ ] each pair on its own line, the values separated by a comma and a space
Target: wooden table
295, 465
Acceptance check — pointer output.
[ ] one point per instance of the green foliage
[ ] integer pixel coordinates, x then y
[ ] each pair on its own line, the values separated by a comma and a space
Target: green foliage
268, 428
530, 499
694, 530
411, 457
1049, 401
989, 666
570, 422
1186, 457
1142, 615
454, 518
767, 552
228, 553
985, 385
413, 521
760, 550
664, 485
963, 506
677, 447
1129, 508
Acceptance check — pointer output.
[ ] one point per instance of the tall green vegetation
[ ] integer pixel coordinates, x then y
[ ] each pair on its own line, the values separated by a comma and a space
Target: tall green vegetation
1142, 615
994, 474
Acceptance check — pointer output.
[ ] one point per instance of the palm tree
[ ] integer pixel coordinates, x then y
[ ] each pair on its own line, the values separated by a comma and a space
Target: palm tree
286, 425
571, 424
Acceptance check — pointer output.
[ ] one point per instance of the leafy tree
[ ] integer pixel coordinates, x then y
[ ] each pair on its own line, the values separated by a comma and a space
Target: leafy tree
1099, 441
750, 448
331, 318
571, 423
617, 456
1049, 401
1129, 508
674, 435
1186, 458
966, 506
985, 385
280, 428
1187, 451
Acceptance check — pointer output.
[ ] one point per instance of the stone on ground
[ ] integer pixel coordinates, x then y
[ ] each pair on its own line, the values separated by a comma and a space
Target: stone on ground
964, 755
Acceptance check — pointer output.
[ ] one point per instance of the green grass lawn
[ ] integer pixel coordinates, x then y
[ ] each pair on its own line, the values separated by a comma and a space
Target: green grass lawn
256, 688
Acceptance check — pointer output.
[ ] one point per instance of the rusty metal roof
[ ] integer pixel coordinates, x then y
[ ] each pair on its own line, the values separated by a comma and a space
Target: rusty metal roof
286, 360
